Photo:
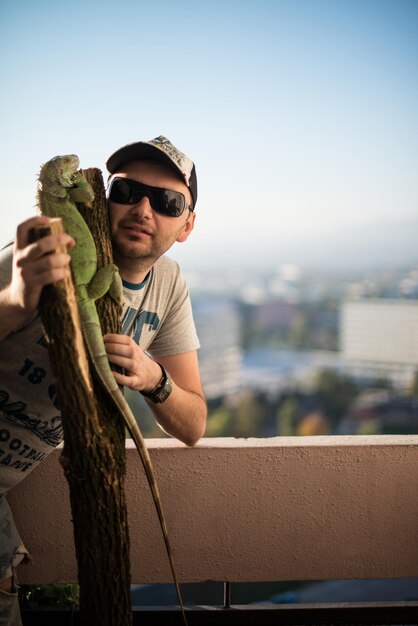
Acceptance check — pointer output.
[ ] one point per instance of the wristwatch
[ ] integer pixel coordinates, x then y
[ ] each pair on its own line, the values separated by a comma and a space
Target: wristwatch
162, 390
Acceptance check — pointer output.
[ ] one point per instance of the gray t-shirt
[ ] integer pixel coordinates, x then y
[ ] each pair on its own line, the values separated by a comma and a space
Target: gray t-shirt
157, 314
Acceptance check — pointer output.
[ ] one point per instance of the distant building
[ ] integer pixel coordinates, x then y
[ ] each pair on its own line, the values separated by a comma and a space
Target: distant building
218, 325
275, 315
379, 339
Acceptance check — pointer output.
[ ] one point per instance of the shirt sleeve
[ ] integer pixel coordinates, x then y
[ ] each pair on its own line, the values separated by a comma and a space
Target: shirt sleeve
177, 332
6, 257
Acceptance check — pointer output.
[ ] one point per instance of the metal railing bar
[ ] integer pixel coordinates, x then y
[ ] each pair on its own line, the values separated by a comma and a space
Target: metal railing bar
341, 614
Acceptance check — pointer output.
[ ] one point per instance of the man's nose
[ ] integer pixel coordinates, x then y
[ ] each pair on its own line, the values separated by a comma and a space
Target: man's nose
142, 208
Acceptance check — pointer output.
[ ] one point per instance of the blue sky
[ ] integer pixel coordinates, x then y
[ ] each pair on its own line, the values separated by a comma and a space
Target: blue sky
301, 115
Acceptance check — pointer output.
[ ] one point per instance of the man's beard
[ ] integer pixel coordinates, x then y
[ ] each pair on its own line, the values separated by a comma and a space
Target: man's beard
126, 256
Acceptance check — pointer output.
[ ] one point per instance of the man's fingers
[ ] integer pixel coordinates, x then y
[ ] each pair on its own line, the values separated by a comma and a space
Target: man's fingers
52, 276
124, 362
44, 246
23, 229
32, 270
122, 379
117, 339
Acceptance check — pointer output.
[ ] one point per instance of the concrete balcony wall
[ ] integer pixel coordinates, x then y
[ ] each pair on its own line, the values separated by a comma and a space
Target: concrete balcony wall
294, 508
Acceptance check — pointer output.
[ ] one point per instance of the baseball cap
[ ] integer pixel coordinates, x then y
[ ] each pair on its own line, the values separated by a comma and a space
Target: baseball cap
160, 149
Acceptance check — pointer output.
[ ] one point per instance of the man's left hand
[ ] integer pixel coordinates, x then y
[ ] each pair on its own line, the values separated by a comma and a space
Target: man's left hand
141, 372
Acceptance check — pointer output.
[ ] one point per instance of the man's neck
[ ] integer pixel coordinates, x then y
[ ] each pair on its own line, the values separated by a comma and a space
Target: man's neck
133, 270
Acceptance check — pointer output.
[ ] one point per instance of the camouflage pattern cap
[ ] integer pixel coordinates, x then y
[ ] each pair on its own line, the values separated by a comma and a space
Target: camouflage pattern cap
160, 149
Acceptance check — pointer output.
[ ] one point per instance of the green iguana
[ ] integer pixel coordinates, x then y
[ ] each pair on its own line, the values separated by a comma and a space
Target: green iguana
61, 185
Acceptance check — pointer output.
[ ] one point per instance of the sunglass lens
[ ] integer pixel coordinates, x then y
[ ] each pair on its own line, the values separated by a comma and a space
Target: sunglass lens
173, 202
165, 201
123, 192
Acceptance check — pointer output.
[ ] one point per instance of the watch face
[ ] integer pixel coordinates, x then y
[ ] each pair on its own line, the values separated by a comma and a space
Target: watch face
164, 391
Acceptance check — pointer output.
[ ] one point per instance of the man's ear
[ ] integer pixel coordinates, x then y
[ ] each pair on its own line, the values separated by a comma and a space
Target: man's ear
188, 227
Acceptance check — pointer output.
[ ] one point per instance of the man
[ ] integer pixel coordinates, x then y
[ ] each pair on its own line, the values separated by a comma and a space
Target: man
152, 194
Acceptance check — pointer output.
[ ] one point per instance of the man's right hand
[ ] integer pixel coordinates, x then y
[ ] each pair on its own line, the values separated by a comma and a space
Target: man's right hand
34, 266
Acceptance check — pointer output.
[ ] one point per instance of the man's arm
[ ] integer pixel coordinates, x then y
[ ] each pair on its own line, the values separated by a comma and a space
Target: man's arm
34, 266
183, 414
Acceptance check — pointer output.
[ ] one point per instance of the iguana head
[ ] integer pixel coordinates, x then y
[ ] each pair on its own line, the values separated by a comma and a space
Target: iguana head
61, 170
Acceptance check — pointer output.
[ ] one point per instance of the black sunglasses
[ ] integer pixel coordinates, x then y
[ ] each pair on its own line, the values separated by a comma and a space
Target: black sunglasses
165, 201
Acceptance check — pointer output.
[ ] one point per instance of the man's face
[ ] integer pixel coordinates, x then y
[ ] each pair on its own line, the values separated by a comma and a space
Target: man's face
139, 232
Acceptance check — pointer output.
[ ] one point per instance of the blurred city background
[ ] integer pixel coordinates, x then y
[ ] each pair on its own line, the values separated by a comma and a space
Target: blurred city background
291, 352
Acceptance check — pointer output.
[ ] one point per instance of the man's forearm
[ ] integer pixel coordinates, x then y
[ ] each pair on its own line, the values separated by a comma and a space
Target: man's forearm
182, 415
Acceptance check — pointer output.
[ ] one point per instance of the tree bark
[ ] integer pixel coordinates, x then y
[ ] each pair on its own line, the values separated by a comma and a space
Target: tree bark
94, 443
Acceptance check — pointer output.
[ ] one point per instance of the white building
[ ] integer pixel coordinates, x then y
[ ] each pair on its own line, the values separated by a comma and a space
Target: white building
218, 325
379, 338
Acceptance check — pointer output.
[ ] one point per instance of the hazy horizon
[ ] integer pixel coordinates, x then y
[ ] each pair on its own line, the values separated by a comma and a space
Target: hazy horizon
301, 115
377, 245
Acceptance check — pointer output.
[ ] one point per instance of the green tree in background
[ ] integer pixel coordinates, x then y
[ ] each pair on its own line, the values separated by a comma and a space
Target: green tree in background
219, 422
242, 415
287, 417
248, 416
335, 393
414, 386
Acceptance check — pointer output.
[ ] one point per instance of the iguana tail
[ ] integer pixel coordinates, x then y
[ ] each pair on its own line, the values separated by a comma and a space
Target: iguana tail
100, 361
136, 434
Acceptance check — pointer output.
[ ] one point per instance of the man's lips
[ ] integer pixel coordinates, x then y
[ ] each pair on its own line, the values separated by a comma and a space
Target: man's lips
136, 229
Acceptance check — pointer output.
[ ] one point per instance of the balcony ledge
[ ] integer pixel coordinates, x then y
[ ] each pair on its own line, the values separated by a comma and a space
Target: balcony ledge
246, 510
